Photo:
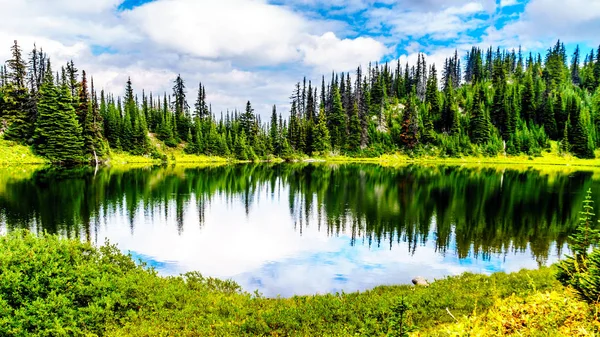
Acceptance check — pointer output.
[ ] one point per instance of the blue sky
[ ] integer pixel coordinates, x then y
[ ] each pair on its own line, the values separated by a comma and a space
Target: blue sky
256, 49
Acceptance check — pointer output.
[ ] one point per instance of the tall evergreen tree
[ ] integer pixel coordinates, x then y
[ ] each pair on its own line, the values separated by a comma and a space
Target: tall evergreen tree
480, 124
410, 124
94, 145
353, 139
337, 121
18, 106
322, 142
57, 133
578, 135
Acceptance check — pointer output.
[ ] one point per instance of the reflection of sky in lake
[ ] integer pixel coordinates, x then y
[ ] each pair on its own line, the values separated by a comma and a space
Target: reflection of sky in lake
265, 251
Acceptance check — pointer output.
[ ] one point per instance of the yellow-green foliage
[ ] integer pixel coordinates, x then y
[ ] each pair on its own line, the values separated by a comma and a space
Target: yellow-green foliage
554, 313
179, 156
123, 158
15, 153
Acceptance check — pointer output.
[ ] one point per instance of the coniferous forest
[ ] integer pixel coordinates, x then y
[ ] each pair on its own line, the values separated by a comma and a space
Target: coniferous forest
488, 102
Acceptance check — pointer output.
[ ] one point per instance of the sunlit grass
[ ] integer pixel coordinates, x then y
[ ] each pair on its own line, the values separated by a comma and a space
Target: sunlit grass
14, 153
553, 313
123, 158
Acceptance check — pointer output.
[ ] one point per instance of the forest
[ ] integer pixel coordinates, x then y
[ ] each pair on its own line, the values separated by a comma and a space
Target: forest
488, 103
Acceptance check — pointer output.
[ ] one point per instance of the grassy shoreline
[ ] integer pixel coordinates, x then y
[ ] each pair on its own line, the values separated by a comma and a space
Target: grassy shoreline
68, 287
15, 154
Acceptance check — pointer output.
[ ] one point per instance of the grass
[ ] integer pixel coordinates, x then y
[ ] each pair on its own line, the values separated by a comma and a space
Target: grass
14, 153
124, 158
178, 156
58, 287
551, 157
551, 313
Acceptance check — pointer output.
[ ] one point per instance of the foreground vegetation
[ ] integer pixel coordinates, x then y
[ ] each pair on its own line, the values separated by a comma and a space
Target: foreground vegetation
69, 288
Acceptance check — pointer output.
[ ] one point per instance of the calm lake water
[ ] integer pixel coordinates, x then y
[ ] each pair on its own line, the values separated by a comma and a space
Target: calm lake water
307, 228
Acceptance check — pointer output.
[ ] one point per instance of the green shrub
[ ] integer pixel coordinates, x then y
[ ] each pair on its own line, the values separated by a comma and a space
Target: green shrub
59, 287
54, 287
582, 270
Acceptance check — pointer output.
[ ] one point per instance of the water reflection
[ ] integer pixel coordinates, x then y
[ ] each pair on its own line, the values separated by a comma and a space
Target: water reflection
305, 228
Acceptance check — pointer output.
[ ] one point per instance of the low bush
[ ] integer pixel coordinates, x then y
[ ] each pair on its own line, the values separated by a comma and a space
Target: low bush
59, 287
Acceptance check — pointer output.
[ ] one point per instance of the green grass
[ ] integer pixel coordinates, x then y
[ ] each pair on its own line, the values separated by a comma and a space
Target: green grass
58, 287
550, 157
553, 313
14, 153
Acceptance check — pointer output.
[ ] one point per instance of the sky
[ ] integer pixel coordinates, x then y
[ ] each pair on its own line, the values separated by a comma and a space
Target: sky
258, 49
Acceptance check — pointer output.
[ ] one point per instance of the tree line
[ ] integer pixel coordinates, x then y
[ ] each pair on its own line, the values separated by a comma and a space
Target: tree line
500, 101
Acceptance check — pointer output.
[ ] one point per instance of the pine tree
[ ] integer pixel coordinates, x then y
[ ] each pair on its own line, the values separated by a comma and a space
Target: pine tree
353, 139
480, 124
247, 121
450, 111
57, 133
322, 142
575, 76
337, 121
581, 271
578, 135
528, 102
275, 145
18, 106
550, 119
410, 124
565, 147
94, 144
432, 95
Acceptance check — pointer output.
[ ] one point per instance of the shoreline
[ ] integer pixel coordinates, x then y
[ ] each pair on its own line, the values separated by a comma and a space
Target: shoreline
13, 154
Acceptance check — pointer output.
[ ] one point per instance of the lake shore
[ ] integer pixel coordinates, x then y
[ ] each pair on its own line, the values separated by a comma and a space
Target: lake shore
15, 154
126, 299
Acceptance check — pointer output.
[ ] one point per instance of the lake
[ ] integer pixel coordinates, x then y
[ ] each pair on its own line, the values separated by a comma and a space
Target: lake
287, 229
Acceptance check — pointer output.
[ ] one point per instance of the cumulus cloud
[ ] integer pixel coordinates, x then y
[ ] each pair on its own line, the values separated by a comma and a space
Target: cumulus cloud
256, 49
439, 25
240, 49
328, 52
544, 21
506, 3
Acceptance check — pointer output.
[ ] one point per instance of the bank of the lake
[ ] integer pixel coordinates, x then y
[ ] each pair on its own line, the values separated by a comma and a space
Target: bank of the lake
13, 153
69, 287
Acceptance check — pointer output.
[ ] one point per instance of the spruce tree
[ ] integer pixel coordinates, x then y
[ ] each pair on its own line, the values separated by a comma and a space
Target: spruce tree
432, 95
410, 123
92, 121
578, 135
337, 121
18, 105
581, 270
480, 124
274, 133
181, 108
247, 121
322, 142
57, 133
353, 139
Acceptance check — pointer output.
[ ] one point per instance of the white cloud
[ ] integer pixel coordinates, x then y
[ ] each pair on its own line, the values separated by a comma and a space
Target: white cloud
506, 3
328, 52
440, 25
239, 49
247, 30
545, 21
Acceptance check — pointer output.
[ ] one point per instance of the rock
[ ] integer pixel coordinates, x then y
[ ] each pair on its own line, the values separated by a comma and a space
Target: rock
420, 281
